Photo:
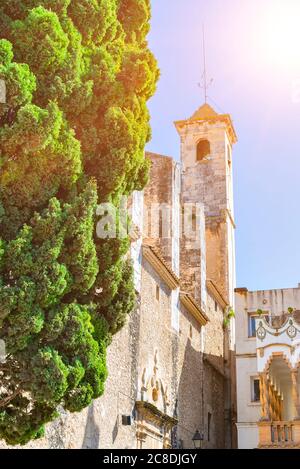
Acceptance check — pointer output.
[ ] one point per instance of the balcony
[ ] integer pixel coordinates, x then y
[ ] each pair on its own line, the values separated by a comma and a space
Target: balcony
278, 361
279, 435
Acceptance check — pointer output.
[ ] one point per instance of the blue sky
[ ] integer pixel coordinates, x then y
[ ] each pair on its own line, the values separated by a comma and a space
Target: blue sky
253, 54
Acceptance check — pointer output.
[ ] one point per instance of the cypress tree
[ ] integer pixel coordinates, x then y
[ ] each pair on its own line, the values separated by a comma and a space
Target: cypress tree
73, 130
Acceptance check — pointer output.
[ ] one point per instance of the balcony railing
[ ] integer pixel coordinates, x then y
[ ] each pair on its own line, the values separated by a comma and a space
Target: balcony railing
282, 432
279, 434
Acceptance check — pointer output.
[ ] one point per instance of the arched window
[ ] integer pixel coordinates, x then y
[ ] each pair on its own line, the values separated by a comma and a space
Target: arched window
203, 149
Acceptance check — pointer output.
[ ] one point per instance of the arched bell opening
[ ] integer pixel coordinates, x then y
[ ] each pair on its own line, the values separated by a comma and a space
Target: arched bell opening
203, 149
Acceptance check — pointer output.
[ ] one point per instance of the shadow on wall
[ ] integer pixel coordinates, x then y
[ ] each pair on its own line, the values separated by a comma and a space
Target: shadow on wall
201, 399
92, 431
115, 431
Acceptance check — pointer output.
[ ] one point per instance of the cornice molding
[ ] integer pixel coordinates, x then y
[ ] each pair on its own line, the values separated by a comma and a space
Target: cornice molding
154, 414
154, 258
215, 292
246, 355
193, 308
225, 118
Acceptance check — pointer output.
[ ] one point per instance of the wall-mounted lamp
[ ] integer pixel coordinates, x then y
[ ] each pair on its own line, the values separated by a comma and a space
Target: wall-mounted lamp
198, 439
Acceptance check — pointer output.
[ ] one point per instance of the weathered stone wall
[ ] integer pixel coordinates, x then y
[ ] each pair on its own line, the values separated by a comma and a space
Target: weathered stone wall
214, 375
193, 255
209, 181
158, 203
202, 379
190, 380
156, 335
205, 181
216, 242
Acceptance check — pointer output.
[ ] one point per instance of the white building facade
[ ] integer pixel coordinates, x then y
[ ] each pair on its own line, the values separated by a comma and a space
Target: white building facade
267, 362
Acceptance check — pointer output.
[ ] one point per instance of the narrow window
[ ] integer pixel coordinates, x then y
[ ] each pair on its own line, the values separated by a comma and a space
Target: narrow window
194, 219
216, 306
160, 235
209, 417
252, 323
252, 326
191, 331
203, 149
255, 390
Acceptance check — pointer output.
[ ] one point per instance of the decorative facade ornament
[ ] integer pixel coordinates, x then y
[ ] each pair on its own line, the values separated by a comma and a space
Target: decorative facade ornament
261, 332
153, 389
153, 420
281, 342
291, 331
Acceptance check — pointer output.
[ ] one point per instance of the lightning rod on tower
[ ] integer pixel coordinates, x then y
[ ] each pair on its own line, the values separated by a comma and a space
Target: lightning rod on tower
204, 84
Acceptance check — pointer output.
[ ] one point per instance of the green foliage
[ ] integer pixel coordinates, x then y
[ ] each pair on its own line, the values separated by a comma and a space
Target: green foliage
260, 312
73, 129
230, 315
226, 322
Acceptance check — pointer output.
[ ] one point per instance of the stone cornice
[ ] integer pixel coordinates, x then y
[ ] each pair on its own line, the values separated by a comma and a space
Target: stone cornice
225, 118
241, 291
154, 414
152, 255
215, 292
245, 355
193, 308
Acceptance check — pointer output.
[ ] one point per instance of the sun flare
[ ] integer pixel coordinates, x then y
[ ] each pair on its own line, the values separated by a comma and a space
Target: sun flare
280, 40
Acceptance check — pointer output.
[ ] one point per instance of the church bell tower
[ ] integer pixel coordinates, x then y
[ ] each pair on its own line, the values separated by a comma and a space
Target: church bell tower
207, 139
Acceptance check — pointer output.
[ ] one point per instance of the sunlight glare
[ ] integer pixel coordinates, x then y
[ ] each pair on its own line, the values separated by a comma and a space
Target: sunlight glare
282, 33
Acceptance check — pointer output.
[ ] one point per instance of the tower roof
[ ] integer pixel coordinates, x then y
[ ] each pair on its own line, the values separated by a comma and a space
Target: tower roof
206, 113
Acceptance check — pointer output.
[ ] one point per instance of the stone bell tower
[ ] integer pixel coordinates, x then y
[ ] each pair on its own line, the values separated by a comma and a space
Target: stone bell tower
207, 139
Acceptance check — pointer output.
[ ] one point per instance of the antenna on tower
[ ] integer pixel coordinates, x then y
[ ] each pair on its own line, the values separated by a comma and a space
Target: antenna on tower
205, 83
